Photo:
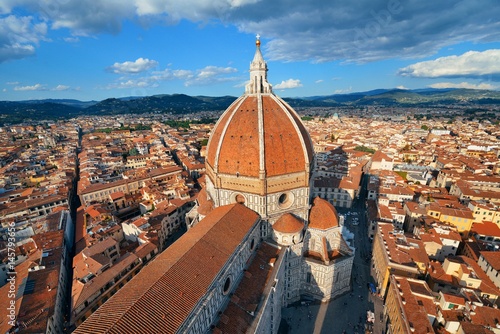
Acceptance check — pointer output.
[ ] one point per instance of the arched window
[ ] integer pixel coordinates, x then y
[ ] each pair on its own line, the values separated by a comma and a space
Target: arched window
227, 285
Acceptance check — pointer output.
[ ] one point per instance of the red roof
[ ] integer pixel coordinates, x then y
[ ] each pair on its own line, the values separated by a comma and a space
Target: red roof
164, 293
486, 228
323, 215
288, 223
255, 128
116, 195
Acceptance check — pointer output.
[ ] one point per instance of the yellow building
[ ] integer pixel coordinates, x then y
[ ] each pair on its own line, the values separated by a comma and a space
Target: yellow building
459, 217
33, 180
483, 211
398, 254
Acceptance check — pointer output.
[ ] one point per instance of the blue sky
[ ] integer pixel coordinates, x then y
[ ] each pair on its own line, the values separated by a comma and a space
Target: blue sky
95, 49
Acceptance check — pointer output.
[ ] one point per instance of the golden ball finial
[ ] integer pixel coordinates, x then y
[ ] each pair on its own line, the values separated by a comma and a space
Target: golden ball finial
257, 42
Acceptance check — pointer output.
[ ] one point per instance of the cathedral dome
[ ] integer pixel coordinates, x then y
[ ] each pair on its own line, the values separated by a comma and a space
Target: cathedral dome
205, 205
288, 223
258, 137
287, 230
323, 215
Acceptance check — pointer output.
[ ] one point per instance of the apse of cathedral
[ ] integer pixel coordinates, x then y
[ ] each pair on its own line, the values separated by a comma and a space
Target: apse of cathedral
256, 242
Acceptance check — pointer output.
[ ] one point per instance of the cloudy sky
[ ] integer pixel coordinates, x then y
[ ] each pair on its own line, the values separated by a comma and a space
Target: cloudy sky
95, 49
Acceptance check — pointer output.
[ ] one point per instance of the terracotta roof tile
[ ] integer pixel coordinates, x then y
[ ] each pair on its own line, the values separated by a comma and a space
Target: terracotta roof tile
288, 223
486, 228
205, 205
164, 293
235, 141
323, 215
248, 296
493, 258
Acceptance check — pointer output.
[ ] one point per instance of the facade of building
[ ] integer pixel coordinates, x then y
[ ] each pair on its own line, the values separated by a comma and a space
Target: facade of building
100, 192
395, 253
410, 306
256, 219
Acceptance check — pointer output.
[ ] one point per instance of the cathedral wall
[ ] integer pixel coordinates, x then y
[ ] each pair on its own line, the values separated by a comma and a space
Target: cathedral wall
286, 182
269, 314
320, 280
313, 239
207, 310
269, 207
294, 200
293, 274
325, 282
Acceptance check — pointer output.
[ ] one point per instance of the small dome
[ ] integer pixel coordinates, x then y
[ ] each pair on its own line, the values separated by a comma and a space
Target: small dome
288, 223
205, 205
323, 215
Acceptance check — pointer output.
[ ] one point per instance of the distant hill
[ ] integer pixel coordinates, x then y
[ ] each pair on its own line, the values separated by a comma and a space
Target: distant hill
415, 97
16, 112
68, 102
176, 104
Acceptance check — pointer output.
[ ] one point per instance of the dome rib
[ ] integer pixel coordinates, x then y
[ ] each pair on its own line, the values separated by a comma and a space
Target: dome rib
259, 143
300, 130
231, 113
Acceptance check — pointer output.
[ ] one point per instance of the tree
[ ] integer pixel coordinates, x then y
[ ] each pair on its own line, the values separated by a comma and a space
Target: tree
424, 127
364, 149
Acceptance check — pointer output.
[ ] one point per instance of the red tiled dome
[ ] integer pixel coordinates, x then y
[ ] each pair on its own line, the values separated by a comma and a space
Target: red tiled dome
323, 215
259, 145
205, 205
259, 132
288, 223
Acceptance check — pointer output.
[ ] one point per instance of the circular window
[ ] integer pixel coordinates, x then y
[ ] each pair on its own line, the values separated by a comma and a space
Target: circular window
240, 199
285, 200
227, 285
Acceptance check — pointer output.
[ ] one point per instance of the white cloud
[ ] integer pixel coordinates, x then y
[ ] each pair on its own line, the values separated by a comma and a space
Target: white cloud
343, 91
137, 66
205, 76
209, 75
320, 31
319, 81
140, 83
19, 36
4, 90
365, 31
287, 84
82, 17
71, 39
12, 83
470, 64
463, 85
401, 87
34, 87
61, 87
